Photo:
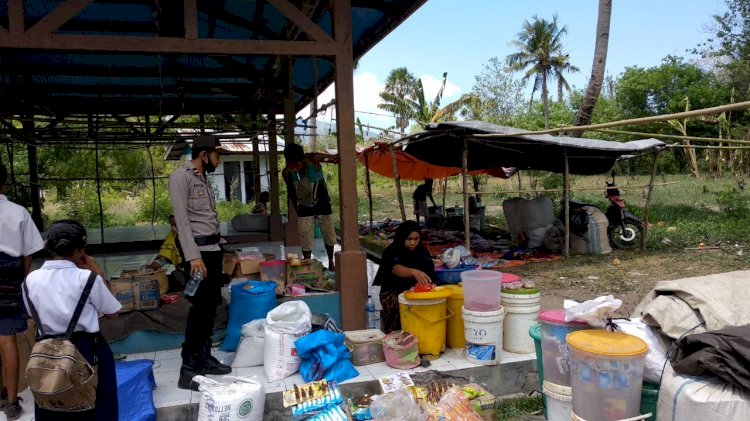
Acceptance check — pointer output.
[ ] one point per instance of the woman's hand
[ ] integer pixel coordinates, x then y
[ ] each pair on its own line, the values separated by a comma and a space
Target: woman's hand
88, 262
421, 277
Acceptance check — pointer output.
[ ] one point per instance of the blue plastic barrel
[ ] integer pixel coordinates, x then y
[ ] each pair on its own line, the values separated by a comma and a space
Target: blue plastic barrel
251, 300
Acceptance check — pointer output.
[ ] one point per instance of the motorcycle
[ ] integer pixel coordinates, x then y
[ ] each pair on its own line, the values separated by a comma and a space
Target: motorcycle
624, 229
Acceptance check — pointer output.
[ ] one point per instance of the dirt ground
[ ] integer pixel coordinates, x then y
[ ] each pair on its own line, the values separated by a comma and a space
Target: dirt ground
585, 277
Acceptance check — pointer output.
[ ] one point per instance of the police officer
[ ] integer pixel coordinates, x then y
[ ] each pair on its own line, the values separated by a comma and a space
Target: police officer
19, 239
194, 207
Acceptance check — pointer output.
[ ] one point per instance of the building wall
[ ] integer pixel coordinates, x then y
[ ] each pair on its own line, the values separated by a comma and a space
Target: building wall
217, 178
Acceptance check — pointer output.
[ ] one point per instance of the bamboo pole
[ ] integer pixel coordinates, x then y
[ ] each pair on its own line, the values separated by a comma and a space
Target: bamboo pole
398, 184
369, 186
648, 201
566, 198
642, 120
464, 171
572, 190
672, 136
520, 182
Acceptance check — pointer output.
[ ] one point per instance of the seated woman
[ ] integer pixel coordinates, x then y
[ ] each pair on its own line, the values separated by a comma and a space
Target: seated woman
405, 263
261, 206
171, 253
55, 290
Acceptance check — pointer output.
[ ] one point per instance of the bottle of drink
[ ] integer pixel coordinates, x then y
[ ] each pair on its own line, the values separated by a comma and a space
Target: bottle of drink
373, 316
193, 284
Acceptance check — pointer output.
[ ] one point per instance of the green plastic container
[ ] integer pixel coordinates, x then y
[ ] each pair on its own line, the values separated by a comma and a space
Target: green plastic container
536, 333
649, 399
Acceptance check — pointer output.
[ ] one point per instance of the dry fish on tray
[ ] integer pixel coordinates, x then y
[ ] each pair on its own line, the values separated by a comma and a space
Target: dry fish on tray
304, 393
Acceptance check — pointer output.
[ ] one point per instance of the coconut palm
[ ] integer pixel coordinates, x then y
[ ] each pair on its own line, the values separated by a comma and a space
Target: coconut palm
399, 84
416, 107
540, 54
597, 69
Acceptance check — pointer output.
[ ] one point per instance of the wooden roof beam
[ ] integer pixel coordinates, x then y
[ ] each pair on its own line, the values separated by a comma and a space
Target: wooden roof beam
170, 45
57, 18
298, 18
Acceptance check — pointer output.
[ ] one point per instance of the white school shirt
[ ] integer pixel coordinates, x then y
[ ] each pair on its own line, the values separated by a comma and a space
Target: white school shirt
55, 289
18, 234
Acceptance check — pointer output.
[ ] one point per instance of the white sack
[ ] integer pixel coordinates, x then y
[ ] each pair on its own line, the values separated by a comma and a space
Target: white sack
252, 343
657, 352
237, 399
284, 325
594, 312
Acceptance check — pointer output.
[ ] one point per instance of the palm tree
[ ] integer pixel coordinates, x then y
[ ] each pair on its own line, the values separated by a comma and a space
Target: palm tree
416, 107
597, 69
562, 65
540, 54
399, 84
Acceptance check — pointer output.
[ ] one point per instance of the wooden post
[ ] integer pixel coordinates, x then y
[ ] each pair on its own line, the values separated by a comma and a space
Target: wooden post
464, 172
566, 199
368, 186
520, 186
398, 184
36, 201
257, 188
445, 191
351, 262
277, 232
291, 234
648, 201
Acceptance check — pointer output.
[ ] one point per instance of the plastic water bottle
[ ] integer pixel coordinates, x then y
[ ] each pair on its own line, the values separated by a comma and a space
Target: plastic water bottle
193, 284
373, 316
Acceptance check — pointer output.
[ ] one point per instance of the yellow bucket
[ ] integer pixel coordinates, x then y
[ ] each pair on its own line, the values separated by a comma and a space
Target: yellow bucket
425, 319
456, 336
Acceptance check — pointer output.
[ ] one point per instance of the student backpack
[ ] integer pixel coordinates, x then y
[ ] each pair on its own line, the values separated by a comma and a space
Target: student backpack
60, 378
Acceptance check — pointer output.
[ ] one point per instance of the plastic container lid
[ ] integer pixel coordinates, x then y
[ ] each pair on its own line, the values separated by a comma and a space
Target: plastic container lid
272, 263
255, 287
558, 316
520, 291
604, 343
457, 292
364, 336
437, 292
509, 277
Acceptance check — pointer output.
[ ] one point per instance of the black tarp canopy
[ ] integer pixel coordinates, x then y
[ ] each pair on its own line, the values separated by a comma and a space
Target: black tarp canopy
442, 144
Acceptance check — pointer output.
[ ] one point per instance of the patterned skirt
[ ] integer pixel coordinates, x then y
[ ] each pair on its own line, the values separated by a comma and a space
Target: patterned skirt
390, 317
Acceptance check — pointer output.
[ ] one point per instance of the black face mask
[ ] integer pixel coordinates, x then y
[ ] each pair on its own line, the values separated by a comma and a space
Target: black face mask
209, 166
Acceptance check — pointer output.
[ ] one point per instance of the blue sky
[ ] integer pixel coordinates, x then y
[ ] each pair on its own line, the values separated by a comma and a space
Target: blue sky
460, 37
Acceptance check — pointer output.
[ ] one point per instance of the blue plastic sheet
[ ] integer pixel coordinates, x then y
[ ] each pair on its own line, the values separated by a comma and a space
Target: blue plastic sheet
135, 386
324, 356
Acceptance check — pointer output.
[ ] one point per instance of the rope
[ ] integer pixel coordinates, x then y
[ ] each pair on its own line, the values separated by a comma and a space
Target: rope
673, 136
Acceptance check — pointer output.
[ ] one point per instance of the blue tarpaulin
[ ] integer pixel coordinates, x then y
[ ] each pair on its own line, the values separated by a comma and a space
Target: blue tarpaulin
135, 386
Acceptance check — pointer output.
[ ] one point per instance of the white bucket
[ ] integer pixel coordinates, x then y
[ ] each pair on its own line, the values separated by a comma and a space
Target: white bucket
520, 315
559, 402
484, 335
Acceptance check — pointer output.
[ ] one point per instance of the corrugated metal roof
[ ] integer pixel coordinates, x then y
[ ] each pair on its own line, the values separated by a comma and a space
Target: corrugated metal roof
163, 84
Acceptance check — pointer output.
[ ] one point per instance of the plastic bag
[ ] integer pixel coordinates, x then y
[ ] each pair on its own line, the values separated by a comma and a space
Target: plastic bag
397, 405
135, 386
250, 349
237, 399
324, 356
594, 312
657, 352
251, 300
285, 323
454, 405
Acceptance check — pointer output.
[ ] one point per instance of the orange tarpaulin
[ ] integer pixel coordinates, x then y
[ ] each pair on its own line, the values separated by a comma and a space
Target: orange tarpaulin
411, 168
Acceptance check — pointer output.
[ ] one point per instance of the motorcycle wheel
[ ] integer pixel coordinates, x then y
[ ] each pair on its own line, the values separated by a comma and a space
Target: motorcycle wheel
628, 238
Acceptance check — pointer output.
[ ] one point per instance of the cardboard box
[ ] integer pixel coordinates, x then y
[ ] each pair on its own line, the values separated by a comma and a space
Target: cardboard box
250, 266
229, 263
483, 405
146, 294
309, 273
159, 276
122, 289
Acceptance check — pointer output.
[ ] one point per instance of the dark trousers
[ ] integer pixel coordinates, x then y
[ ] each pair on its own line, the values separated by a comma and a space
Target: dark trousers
202, 313
90, 345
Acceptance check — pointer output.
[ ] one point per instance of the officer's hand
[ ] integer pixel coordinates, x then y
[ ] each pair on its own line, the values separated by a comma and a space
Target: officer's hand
197, 265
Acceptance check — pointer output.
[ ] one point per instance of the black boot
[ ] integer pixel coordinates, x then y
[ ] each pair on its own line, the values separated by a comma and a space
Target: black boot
191, 366
210, 364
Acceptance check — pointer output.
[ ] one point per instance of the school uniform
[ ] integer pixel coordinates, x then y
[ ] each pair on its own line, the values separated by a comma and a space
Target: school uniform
55, 290
19, 237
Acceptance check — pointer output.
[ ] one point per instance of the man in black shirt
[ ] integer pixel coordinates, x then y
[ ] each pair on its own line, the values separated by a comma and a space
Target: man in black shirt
420, 196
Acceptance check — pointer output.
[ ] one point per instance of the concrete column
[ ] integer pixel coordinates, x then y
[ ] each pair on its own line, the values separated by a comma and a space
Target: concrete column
351, 268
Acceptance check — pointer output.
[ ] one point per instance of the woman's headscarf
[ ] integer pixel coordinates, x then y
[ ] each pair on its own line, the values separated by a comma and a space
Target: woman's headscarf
403, 231
397, 253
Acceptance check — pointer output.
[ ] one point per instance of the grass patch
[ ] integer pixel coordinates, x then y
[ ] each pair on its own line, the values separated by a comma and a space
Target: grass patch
512, 408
